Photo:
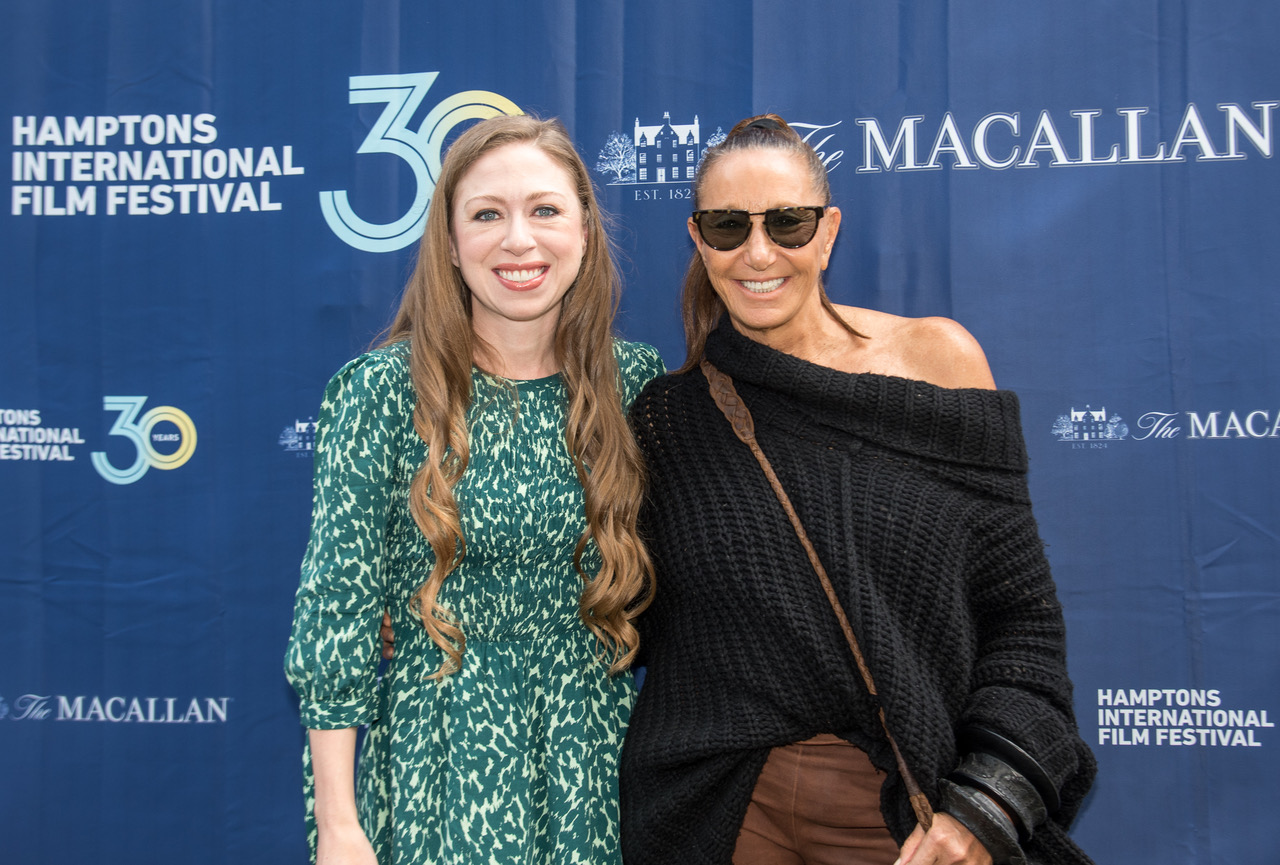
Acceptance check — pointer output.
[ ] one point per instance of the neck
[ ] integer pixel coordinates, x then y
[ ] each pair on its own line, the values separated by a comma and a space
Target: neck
518, 350
813, 336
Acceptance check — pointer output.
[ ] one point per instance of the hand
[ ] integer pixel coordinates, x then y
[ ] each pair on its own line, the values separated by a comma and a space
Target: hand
344, 846
947, 843
388, 636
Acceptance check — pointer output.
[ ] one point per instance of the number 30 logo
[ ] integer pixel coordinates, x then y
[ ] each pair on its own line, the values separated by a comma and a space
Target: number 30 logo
421, 149
138, 430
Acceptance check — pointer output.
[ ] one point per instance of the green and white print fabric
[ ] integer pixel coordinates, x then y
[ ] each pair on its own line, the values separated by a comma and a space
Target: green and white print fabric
514, 757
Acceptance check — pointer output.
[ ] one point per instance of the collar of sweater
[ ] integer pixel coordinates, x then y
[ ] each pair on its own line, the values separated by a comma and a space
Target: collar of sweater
966, 426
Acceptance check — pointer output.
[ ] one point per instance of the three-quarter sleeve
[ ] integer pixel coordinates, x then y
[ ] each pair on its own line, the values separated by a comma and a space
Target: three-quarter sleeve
333, 652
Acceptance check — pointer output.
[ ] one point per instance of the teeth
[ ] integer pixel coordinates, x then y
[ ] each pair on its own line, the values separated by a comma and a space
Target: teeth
521, 275
762, 287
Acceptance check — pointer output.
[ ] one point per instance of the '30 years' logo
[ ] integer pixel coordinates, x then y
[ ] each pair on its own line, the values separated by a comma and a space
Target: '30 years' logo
140, 431
421, 148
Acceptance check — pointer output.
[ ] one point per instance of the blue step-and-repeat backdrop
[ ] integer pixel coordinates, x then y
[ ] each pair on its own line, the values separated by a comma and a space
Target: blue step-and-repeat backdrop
212, 205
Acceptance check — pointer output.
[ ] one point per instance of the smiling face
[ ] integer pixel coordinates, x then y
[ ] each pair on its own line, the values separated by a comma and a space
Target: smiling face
518, 238
771, 292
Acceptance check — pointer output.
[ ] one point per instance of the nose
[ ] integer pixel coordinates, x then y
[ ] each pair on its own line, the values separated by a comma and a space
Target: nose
518, 239
758, 250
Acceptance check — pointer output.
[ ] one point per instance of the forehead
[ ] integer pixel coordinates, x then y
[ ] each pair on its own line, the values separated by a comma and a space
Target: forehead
515, 172
757, 179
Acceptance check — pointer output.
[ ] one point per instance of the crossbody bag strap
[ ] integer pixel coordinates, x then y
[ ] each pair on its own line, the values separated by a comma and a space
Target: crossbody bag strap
735, 410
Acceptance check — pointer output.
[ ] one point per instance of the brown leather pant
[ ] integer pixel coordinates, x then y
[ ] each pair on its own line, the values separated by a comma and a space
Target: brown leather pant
816, 802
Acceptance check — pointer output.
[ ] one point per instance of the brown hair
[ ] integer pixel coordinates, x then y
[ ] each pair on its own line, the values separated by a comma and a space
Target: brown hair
701, 308
435, 319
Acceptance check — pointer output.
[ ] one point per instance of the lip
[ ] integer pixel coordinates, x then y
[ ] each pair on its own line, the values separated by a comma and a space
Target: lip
762, 286
526, 276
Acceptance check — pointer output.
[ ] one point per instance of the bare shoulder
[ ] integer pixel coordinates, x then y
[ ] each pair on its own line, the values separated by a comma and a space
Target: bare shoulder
946, 354
932, 349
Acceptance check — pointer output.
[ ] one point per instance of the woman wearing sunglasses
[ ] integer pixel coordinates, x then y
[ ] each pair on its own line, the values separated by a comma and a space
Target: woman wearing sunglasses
756, 738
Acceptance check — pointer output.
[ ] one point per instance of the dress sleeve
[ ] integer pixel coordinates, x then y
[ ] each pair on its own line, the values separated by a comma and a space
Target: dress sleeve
333, 652
1021, 689
638, 364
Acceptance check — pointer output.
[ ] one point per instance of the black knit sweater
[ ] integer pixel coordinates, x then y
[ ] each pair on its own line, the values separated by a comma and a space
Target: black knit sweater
915, 497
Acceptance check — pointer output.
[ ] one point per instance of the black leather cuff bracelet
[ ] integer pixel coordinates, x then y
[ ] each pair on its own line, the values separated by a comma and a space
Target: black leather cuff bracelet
975, 738
1007, 786
980, 815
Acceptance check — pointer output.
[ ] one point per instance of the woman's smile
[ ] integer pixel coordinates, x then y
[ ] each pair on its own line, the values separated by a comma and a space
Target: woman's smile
521, 278
761, 287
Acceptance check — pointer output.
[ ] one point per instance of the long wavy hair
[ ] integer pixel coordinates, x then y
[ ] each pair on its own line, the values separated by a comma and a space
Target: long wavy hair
701, 308
435, 320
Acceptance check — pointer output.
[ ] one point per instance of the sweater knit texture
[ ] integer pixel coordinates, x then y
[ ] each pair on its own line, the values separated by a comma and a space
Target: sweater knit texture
916, 499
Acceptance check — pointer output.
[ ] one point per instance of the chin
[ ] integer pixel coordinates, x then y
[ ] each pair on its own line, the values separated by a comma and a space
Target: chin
759, 319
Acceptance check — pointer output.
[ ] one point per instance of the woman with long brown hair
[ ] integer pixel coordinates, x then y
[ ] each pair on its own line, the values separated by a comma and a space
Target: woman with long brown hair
475, 475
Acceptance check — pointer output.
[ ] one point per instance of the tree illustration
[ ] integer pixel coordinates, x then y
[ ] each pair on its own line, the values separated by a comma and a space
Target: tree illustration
716, 138
1063, 428
619, 158
1116, 427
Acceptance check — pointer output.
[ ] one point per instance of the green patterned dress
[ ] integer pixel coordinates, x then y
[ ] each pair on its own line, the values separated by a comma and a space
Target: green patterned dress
512, 759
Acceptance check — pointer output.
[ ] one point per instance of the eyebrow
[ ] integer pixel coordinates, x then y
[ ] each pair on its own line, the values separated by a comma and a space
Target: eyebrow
502, 199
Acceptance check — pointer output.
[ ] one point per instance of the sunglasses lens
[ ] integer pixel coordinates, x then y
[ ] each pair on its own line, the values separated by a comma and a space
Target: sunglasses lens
724, 229
792, 227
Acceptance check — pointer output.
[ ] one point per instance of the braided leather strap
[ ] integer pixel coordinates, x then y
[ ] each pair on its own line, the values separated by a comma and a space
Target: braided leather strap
735, 410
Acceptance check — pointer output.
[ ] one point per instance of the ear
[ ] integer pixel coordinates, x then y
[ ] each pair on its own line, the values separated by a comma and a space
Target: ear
693, 234
832, 219
453, 252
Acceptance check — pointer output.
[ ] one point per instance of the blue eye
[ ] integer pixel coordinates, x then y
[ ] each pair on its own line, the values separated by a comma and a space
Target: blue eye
486, 216
546, 210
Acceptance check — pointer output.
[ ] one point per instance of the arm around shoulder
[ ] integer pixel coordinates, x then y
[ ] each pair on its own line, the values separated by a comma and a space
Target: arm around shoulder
638, 364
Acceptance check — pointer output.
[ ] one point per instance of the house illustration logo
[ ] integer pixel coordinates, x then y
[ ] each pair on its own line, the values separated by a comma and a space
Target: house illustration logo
299, 438
1090, 425
665, 152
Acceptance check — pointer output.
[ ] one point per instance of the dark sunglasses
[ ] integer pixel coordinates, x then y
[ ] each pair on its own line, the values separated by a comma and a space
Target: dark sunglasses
791, 227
